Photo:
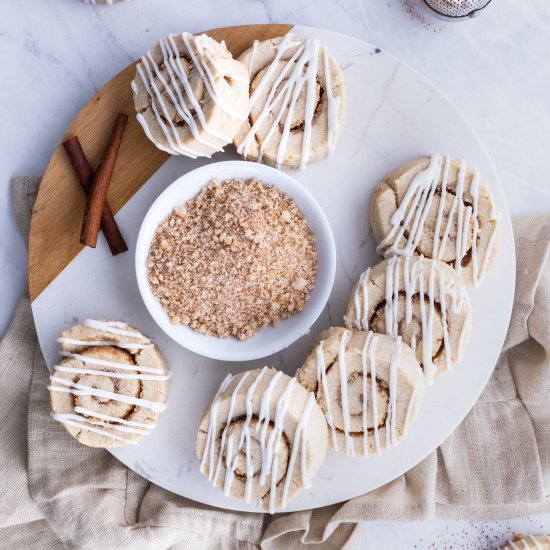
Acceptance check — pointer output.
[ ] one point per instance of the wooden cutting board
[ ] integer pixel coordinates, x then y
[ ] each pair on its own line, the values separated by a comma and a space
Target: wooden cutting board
57, 216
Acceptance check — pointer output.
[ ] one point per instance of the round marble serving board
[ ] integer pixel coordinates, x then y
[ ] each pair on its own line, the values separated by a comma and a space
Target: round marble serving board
394, 115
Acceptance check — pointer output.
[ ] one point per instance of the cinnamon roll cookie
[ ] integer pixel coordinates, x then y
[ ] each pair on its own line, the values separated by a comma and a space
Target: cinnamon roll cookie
531, 542
424, 301
297, 102
370, 387
190, 95
110, 385
262, 439
440, 208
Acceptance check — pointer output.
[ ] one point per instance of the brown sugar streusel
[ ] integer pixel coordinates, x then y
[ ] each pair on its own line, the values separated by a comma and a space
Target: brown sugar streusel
235, 258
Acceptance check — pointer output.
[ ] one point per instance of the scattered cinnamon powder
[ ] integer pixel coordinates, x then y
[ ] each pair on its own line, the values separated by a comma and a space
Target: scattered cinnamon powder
235, 258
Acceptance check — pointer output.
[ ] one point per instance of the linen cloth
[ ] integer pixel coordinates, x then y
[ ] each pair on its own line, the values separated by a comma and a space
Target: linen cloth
56, 493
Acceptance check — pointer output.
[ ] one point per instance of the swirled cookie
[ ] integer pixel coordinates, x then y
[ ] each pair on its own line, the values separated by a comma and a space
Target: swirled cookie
531, 542
424, 301
370, 387
190, 95
110, 385
440, 208
263, 438
297, 102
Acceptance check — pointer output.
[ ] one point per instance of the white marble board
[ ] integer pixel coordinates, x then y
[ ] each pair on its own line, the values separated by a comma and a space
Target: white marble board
395, 114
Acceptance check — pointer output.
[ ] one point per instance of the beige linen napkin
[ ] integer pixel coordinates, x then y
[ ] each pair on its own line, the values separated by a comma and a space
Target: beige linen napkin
55, 493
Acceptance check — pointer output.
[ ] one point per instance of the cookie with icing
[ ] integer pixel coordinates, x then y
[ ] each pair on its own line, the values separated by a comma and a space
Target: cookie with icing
297, 102
370, 387
423, 301
530, 542
262, 439
110, 384
190, 95
440, 208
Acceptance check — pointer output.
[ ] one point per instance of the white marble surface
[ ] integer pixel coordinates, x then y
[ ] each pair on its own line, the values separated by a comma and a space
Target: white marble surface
56, 54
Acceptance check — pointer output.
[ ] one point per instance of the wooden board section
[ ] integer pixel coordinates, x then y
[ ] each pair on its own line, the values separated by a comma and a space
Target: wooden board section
57, 216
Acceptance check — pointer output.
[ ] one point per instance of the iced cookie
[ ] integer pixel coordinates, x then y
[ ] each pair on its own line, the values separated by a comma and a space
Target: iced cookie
110, 385
521, 542
370, 387
190, 95
297, 102
262, 439
440, 208
424, 301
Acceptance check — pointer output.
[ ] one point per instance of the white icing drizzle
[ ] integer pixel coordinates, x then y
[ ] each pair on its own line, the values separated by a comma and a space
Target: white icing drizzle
413, 283
274, 442
255, 45
112, 327
85, 420
392, 409
362, 322
372, 361
69, 420
85, 423
364, 388
89, 343
111, 364
204, 63
368, 367
270, 446
108, 418
81, 389
209, 448
300, 69
203, 45
322, 386
110, 374
245, 436
224, 434
414, 208
350, 450
299, 434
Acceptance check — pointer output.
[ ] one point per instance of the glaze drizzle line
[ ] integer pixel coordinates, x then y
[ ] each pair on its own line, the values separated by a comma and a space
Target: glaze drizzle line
299, 70
180, 93
414, 284
270, 444
368, 370
412, 213
86, 420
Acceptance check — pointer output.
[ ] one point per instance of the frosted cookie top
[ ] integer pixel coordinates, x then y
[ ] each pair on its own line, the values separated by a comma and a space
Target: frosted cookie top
190, 95
297, 102
440, 208
110, 384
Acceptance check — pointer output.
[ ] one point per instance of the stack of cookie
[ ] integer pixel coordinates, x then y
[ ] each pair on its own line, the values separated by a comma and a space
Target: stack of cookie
282, 102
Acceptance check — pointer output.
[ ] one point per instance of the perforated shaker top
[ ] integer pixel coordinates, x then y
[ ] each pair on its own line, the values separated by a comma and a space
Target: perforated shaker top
457, 8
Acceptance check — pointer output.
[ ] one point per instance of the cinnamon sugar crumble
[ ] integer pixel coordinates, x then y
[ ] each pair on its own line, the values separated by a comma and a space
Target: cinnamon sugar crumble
237, 257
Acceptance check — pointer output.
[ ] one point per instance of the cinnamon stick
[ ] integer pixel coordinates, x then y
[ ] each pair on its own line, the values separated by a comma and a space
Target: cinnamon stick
98, 192
85, 175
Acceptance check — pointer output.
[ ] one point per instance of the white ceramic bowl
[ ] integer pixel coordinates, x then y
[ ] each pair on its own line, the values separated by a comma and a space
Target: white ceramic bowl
270, 339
